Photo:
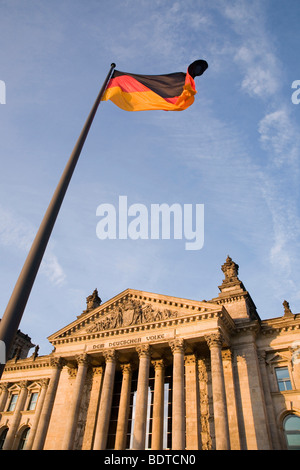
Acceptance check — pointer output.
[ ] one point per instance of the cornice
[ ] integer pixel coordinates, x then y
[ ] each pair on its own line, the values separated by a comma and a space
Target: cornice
280, 325
28, 363
226, 297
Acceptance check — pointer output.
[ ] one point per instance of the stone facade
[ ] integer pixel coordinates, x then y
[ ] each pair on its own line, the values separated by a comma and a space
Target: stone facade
20, 347
151, 371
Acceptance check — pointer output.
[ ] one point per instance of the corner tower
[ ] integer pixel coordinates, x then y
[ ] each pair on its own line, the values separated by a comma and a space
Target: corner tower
233, 295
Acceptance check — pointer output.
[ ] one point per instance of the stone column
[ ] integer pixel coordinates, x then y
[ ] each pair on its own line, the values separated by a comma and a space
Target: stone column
121, 432
219, 397
192, 403
158, 405
178, 398
94, 400
3, 396
230, 386
257, 412
139, 430
13, 427
106, 400
42, 428
37, 413
71, 425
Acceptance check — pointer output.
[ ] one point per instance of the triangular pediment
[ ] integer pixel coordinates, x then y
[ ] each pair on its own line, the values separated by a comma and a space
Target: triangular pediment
129, 309
283, 356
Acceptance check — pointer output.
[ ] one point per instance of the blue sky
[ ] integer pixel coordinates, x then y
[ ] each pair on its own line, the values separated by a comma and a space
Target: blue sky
236, 150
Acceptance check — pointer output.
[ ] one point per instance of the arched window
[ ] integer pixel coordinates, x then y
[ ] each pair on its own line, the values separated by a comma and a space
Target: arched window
3, 433
23, 438
291, 426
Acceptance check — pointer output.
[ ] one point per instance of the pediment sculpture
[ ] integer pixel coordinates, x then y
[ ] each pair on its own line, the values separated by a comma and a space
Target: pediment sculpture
130, 312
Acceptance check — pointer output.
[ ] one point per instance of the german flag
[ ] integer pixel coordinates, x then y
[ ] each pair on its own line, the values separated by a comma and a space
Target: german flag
171, 92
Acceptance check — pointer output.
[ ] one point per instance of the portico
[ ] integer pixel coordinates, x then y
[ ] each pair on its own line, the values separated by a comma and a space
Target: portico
143, 351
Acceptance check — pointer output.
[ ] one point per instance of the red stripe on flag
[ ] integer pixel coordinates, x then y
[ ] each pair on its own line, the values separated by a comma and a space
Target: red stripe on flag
127, 84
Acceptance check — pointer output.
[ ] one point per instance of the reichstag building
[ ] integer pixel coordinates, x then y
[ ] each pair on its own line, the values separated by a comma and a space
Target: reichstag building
150, 371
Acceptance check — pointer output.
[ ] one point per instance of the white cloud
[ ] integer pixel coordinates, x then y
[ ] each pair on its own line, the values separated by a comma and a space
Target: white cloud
260, 66
278, 171
18, 234
279, 135
52, 269
260, 71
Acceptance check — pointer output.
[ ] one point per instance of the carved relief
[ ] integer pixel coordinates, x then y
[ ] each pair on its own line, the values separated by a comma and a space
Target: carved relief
287, 310
205, 412
130, 312
92, 301
230, 269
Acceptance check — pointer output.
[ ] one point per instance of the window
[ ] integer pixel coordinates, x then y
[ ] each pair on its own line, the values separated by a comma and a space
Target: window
167, 418
33, 400
13, 401
283, 379
23, 439
114, 411
291, 426
167, 433
2, 437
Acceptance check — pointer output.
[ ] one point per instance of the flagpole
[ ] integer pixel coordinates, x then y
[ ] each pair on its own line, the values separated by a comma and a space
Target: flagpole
11, 319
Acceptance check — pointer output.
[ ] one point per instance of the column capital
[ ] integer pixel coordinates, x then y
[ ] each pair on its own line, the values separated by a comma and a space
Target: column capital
214, 340
143, 350
23, 384
57, 362
126, 368
110, 355
190, 359
158, 364
97, 370
83, 359
3, 386
261, 355
227, 354
44, 382
177, 345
